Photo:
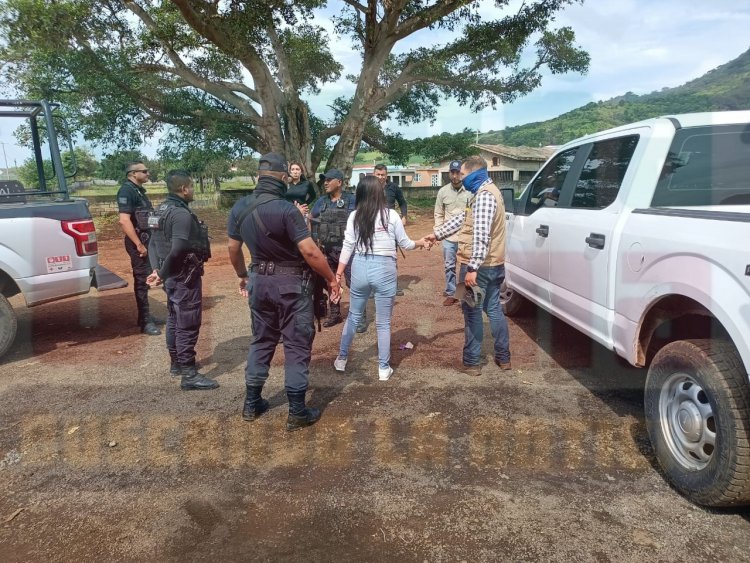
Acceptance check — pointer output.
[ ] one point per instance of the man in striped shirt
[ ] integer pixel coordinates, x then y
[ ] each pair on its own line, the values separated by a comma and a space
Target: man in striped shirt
481, 254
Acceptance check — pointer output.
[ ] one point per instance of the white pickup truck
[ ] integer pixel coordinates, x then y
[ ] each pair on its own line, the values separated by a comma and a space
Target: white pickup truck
48, 246
638, 237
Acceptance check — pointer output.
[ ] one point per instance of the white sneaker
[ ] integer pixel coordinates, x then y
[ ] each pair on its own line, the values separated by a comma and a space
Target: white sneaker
340, 363
385, 374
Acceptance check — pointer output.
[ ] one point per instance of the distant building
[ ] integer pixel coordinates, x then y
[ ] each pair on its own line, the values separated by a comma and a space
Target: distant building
508, 164
404, 176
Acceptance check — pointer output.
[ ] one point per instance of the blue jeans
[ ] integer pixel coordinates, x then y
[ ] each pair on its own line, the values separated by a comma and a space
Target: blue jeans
449, 259
376, 274
488, 278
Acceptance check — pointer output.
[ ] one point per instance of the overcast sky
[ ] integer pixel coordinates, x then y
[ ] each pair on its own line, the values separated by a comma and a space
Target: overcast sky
635, 45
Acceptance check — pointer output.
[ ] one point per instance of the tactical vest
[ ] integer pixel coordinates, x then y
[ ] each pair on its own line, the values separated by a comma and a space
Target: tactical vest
199, 241
329, 227
140, 215
496, 250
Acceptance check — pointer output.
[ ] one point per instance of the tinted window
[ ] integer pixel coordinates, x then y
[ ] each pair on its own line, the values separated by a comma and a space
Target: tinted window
545, 190
602, 174
706, 166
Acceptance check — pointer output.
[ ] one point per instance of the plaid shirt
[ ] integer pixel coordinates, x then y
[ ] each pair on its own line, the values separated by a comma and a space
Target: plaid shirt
483, 207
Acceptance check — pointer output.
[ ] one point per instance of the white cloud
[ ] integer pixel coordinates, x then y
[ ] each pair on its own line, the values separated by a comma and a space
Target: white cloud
635, 45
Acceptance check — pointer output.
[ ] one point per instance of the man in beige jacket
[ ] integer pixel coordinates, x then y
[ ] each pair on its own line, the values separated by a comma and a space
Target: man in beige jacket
452, 200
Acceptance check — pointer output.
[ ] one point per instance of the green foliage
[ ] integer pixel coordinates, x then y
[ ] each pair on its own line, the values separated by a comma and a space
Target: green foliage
724, 88
81, 161
112, 166
235, 71
28, 175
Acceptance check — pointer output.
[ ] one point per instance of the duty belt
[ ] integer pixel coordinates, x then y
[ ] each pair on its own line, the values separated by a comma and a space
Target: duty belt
273, 268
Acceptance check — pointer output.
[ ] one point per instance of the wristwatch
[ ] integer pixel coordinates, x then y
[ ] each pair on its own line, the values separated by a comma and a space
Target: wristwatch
471, 269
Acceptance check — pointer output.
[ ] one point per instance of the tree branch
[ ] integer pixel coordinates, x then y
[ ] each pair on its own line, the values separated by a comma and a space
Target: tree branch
320, 143
187, 74
248, 56
356, 5
427, 17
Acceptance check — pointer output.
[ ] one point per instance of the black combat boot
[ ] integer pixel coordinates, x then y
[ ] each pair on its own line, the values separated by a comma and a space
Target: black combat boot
174, 368
334, 317
191, 379
255, 405
299, 415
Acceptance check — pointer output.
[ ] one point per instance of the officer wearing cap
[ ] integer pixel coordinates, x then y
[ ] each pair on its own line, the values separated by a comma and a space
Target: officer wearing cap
178, 249
328, 224
133, 204
279, 288
452, 199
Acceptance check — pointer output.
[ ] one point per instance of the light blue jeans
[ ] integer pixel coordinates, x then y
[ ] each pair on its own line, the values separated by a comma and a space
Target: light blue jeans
450, 249
377, 275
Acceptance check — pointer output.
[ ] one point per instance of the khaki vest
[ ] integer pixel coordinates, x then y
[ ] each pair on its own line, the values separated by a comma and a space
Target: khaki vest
496, 251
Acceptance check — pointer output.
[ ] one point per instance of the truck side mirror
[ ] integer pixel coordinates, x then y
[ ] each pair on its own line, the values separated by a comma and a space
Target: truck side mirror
508, 199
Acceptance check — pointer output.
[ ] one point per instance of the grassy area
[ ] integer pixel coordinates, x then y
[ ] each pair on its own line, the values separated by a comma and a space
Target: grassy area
420, 202
158, 188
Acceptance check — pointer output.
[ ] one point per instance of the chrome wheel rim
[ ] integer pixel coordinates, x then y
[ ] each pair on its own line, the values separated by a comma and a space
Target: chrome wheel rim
687, 421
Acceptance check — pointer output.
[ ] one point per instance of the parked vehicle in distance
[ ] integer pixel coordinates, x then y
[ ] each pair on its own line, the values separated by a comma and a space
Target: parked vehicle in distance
637, 236
48, 246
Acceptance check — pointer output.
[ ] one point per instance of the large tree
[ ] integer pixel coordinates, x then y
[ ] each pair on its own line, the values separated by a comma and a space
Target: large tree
242, 69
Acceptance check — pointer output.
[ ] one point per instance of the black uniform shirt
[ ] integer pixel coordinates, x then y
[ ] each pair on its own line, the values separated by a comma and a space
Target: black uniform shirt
130, 197
393, 194
285, 224
302, 192
180, 230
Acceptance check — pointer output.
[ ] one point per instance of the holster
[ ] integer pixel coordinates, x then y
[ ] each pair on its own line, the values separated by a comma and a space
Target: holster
192, 268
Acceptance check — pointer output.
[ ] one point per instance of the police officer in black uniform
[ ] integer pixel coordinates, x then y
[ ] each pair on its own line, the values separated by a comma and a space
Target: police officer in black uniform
178, 249
133, 204
279, 288
328, 223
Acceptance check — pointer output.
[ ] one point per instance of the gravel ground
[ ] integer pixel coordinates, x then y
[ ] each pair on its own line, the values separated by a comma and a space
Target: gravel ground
102, 457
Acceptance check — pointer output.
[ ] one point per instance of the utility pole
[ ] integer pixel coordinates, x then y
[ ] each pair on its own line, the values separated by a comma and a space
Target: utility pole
5, 156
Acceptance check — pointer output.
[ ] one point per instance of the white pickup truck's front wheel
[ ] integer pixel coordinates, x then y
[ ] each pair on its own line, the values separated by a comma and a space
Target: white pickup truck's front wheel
513, 303
697, 408
8, 325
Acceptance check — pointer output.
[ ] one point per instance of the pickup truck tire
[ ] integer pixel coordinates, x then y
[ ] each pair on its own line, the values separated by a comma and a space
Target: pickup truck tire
8, 325
514, 305
697, 409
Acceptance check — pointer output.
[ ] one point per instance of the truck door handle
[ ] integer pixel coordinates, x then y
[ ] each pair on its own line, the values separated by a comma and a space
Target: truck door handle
543, 231
595, 240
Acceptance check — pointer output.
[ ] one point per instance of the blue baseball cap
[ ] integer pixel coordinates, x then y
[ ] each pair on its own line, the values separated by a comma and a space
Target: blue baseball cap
455, 165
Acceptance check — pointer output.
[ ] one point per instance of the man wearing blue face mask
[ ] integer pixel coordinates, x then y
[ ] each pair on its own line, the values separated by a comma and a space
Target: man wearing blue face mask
481, 254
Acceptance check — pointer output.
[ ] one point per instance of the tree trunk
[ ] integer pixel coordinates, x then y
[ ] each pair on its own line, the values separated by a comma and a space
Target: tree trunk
346, 148
200, 183
297, 135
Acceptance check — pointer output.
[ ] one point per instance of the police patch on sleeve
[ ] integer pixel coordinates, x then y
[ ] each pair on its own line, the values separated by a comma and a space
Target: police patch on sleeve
122, 200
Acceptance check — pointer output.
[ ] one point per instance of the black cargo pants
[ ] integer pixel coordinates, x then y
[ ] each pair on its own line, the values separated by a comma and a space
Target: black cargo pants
185, 312
141, 270
280, 304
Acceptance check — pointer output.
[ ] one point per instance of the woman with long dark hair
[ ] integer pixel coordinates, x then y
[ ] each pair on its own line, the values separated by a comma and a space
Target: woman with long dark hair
300, 189
372, 234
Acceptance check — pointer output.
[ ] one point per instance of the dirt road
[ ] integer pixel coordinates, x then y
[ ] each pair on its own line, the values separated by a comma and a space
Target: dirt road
102, 457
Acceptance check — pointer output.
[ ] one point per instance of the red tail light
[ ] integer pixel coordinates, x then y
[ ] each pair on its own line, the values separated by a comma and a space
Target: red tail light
84, 234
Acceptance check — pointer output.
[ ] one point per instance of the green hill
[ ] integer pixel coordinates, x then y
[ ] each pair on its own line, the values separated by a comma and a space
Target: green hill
726, 87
